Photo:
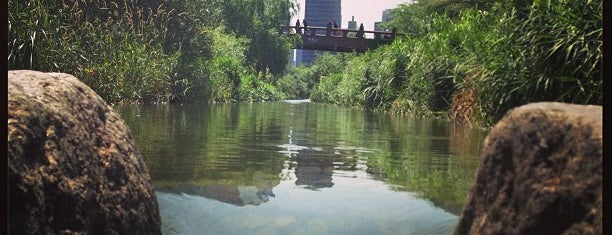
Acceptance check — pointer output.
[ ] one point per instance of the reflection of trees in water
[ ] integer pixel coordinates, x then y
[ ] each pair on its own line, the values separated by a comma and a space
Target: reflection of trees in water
424, 157
217, 150
248, 183
237, 195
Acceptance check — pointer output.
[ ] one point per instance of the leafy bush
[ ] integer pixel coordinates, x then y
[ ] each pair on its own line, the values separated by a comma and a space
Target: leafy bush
296, 84
325, 90
253, 88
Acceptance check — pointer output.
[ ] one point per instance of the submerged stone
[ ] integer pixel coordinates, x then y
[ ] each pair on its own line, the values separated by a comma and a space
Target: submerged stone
284, 221
317, 226
73, 166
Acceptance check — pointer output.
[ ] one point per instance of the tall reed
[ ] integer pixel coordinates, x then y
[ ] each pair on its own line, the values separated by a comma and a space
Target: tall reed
114, 47
477, 64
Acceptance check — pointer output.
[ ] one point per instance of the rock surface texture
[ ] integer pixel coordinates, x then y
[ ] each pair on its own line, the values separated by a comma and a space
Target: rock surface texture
540, 173
73, 166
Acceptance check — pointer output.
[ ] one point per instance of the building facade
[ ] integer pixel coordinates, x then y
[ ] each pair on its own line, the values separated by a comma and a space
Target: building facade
386, 17
352, 24
318, 13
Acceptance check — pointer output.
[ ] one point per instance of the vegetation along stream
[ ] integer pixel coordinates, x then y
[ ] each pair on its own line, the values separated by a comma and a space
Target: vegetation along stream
297, 167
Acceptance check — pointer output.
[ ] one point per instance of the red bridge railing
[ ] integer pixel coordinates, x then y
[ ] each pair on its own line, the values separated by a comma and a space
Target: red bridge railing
337, 39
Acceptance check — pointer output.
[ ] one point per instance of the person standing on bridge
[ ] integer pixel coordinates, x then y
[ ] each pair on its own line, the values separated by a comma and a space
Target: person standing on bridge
305, 25
329, 28
298, 30
336, 33
361, 31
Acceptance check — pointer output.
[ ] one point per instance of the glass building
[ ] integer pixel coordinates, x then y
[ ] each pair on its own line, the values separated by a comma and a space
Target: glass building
319, 13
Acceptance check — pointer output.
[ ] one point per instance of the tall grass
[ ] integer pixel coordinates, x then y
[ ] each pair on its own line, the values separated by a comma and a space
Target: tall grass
114, 47
143, 51
475, 65
550, 52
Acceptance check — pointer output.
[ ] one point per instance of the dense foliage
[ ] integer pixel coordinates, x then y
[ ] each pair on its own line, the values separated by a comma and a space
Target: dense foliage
473, 60
468, 60
155, 50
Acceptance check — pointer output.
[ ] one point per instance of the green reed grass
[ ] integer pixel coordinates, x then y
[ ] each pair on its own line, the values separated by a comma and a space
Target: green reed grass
505, 55
132, 50
113, 47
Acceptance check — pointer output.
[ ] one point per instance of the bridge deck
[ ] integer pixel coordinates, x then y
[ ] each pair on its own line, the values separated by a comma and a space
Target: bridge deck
339, 40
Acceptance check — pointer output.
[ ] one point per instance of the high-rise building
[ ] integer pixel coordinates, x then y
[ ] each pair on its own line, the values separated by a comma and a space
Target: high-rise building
319, 13
352, 24
386, 17
378, 26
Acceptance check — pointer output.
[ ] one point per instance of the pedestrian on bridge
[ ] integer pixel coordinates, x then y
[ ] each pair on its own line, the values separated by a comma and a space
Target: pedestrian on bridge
305, 25
361, 31
336, 32
298, 30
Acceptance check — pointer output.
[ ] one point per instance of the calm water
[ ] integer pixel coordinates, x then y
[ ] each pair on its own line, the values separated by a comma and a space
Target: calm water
303, 168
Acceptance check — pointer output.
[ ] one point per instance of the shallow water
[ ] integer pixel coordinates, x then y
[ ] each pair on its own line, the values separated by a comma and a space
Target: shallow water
298, 167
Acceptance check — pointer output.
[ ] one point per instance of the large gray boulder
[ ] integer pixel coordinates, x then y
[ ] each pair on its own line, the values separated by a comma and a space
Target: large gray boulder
73, 166
540, 173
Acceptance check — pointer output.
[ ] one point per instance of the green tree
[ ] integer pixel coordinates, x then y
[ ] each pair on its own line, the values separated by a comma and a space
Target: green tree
260, 20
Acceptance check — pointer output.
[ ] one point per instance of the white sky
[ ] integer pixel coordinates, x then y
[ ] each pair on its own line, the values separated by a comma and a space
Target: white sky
365, 11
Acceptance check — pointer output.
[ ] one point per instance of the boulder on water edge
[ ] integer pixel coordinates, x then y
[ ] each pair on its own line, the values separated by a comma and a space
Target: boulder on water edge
73, 165
540, 173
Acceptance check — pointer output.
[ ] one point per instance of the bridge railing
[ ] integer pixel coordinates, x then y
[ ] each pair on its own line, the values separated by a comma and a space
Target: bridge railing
338, 32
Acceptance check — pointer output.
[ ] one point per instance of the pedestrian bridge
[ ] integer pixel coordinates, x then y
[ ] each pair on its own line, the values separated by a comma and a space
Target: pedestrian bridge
337, 39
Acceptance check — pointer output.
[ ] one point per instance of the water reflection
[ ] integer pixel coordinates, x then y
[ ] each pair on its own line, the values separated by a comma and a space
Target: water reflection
314, 170
232, 194
313, 160
310, 166
236, 195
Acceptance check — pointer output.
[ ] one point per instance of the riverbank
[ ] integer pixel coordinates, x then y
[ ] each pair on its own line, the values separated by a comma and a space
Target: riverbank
474, 65
155, 51
462, 61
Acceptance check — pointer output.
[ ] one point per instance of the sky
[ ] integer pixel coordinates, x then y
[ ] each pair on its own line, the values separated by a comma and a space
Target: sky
365, 11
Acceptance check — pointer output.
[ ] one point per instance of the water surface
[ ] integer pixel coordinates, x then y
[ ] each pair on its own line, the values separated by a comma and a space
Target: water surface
298, 167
